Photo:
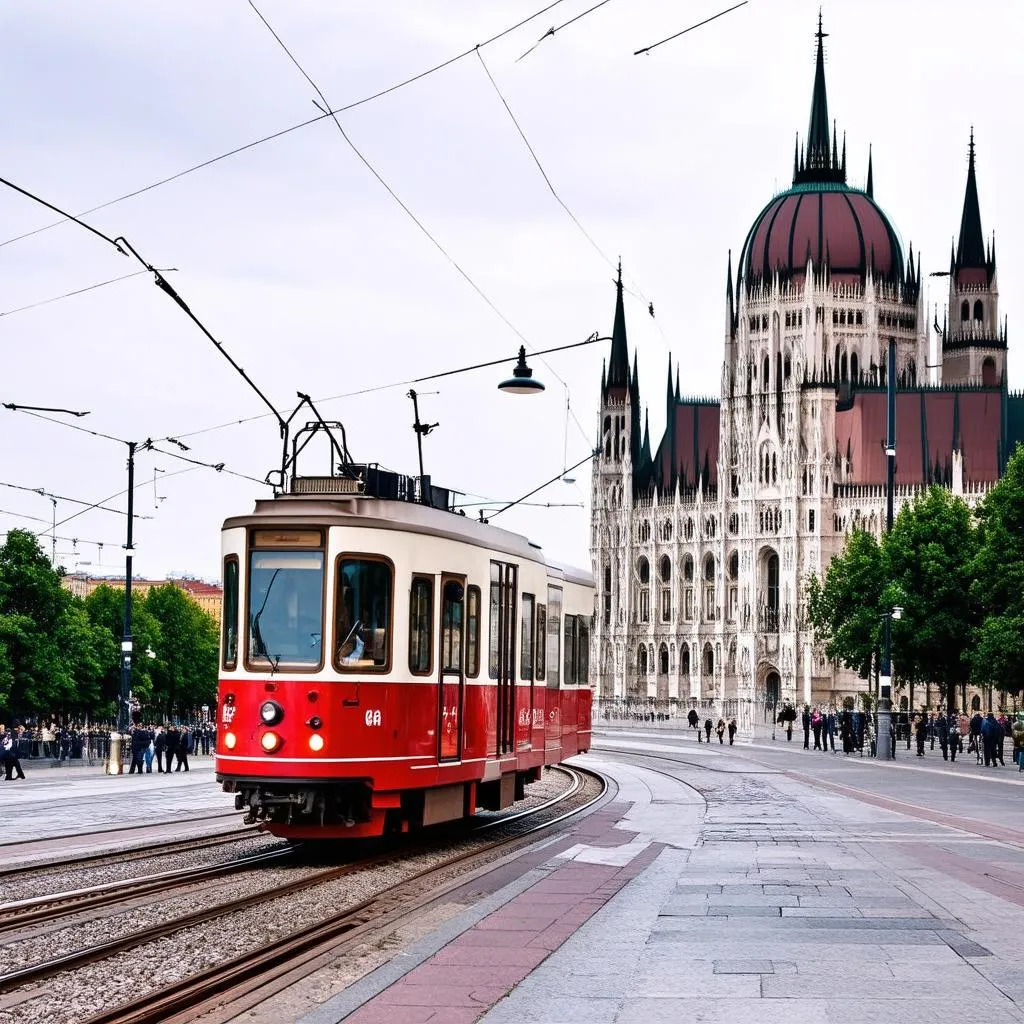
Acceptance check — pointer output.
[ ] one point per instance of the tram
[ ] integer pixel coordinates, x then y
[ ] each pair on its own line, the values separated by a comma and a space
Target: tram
388, 663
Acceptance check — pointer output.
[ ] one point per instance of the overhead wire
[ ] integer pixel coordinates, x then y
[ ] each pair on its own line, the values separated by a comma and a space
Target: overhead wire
394, 195
558, 28
43, 493
690, 28
285, 131
77, 291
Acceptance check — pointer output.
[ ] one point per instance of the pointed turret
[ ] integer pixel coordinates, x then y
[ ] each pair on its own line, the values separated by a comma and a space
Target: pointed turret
730, 308
618, 364
970, 250
645, 449
670, 398
871, 178
677, 383
820, 160
634, 403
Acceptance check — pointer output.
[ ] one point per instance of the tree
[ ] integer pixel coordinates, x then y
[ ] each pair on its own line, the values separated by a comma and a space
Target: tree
845, 609
185, 667
998, 582
926, 562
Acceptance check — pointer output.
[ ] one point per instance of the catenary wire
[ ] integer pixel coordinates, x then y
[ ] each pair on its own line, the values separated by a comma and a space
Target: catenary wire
77, 291
285, 131
43, 493
558, 28
690, 28
394, 195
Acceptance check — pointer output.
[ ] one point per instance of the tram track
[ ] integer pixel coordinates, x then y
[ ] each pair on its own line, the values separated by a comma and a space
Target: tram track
310, 941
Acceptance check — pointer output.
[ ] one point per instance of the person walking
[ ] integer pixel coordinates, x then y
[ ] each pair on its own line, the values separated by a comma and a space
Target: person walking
720, 729
140, 740
990, 733
9, 753
693, 719
956, 744
920, 733
732, 730
159, 746
805, 721
171, 747
940, 731
184, 742
816, 728
829, 730
707, 728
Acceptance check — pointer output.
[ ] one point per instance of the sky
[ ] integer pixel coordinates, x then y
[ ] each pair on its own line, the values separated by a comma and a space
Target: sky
314, 279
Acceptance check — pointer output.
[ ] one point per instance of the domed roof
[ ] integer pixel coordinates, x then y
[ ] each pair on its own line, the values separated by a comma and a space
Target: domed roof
821, 218
829, 223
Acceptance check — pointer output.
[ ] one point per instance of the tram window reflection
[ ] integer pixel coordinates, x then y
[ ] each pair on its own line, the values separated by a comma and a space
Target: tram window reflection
362, 627
286, 595
472, 632
229, 640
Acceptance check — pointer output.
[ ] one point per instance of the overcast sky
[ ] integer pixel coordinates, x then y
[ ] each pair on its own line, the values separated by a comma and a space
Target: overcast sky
314, 279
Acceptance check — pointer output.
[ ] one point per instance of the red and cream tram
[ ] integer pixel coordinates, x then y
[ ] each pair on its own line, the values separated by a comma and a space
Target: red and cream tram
388, 664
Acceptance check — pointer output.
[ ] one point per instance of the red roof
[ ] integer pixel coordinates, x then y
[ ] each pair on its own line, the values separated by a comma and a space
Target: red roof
930, 426
696, 442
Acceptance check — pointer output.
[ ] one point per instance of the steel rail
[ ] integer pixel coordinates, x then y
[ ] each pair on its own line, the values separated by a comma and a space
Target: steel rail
258, 967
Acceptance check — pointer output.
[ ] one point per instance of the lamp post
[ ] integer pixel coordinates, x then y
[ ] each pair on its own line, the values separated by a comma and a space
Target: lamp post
885, 681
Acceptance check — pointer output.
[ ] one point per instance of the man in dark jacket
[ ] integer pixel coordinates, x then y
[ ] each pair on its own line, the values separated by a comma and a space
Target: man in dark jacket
805, 721
708, 726
184, 741
172, 746
991, 730
159, 746
141, 737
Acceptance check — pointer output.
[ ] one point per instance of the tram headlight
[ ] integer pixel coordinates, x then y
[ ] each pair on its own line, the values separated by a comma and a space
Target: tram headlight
316, 743
270, 741
230, 740
271, 712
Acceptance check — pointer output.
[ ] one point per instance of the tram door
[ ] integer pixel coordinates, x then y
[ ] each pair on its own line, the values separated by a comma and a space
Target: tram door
451, 681
502, 652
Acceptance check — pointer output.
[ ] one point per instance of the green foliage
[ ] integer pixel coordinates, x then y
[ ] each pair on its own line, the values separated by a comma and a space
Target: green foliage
62, 655
845, 610
959, 579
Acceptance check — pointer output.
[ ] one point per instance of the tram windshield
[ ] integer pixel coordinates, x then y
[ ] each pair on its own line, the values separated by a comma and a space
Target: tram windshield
286, 607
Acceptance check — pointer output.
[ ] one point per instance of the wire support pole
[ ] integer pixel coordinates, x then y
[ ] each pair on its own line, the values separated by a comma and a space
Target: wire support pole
126, 639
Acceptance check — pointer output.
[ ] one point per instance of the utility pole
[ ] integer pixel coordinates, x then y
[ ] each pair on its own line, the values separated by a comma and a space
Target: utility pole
884, 746
126, 639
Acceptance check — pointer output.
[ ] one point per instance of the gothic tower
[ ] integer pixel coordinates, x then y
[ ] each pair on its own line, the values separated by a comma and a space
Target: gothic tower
973, 344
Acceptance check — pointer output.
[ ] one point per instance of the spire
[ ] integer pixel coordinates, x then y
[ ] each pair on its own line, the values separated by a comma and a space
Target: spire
730, 311
634, 414
871, 178
677, 383
618, 364
645, 451
670, 398
843, 158
817, 133
796, 156
970, 250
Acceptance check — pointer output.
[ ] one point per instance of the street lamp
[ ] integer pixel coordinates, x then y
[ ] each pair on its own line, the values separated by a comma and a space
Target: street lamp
522, 381
885, 681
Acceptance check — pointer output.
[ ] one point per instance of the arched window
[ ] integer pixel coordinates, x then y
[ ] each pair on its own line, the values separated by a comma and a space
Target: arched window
979, 312
688, 568
665, 569
835, 364
709, 568
643, 568
854, 367
734, 565
644, 531
641, 660
988, 372
734, 523
975, 703
688, 529
844, 371
663, 660
709, 660
684, 660
766, 367
666, 530
787, 368
965, 311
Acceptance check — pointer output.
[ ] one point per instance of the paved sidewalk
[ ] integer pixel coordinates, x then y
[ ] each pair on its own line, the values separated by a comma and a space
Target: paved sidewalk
724, 891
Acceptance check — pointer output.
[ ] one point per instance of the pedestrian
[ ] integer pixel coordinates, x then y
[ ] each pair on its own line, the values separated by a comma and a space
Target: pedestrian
9, 743
159, 746
732, 730
184, 742
720, 729
707, 728
816, 728
140, 740
805, 720
956, 744
694, 720
846, 731
1006, 730
921, 733
990, 734
829, 731
940, 731
172, 746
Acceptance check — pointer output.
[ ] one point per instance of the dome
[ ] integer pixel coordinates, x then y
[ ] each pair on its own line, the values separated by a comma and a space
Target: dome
828, 222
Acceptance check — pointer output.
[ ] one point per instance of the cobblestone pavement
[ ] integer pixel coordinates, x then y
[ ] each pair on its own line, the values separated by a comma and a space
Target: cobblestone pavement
731, 888
60, 801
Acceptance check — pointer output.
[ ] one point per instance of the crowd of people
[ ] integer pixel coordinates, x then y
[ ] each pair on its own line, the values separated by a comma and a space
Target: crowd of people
68, 743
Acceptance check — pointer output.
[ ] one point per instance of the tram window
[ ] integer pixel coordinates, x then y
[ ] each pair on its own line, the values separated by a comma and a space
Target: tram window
286, 608
421, 624
526, 648
494, 633
582, 651
542, 641
554, 637
472, 632
569, 665
451, 626
362, 625
229, 639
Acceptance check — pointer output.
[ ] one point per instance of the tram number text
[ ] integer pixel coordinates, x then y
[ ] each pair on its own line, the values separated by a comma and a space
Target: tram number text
450, 716
525, 717
227, 713
372, 718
